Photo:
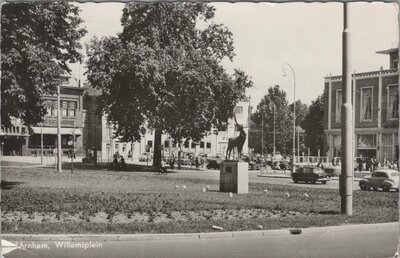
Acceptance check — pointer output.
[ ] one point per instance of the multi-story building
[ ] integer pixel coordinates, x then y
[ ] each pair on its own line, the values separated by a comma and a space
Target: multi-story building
19, 141
98, 135
375, 99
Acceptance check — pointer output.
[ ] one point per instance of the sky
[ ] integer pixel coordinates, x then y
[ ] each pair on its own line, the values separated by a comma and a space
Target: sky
308, 36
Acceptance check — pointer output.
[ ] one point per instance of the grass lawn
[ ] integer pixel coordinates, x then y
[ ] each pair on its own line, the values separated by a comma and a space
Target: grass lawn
37, 200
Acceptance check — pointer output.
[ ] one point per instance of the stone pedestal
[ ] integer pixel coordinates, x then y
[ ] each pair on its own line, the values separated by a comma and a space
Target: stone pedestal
234, 177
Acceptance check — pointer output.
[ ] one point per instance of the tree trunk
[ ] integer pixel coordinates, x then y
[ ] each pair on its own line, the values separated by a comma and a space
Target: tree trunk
179, 154
157, 148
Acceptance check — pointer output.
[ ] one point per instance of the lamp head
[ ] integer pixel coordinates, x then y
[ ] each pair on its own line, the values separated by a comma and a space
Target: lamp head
284, 71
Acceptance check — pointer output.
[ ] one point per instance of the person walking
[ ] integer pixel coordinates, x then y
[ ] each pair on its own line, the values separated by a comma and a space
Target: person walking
374, 163
360, 161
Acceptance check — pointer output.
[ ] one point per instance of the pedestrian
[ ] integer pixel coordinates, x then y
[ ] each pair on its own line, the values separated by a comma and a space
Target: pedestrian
369, 164
360, 162
375, 163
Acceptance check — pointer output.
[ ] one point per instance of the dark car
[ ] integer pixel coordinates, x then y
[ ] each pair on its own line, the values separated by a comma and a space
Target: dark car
254, 165
383, 178
213, 163
310, 174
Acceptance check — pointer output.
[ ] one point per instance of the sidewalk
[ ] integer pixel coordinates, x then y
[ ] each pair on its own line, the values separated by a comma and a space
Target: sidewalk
212, 235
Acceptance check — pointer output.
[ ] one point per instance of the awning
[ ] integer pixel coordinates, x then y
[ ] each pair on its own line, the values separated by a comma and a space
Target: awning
53, 130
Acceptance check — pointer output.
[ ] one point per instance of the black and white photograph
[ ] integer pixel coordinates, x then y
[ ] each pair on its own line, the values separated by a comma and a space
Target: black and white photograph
199, 129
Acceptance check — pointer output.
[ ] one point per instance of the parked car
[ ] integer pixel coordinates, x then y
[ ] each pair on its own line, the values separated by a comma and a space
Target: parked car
254, 165
385, 179
310, 174
213, 163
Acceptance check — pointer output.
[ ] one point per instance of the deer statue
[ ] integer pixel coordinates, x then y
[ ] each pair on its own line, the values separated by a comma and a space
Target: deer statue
236, 142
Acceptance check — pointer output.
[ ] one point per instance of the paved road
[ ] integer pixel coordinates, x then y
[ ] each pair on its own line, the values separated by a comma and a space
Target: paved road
254, 178
375, 240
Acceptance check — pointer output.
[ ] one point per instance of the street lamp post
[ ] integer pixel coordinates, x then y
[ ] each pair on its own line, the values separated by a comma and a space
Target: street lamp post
346, 177
273, 150
298, 140
294, 111
262, 133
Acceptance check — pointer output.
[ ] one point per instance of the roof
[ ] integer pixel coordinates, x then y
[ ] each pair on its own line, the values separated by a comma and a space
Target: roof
388, 51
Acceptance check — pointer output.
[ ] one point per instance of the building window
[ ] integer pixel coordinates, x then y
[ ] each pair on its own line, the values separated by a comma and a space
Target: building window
51, 107
202, 145
124, 147
186, 144
366, 104
339, 102
366, 141
193, 145
395, 64
150, 144
64, 108
166, 144
238, 111
387, 146
72, 108
393, 102
68, 108
208, 145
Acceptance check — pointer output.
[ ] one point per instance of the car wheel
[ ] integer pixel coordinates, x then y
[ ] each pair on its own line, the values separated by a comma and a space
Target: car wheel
374, 188
363, 186
385, 188
295, 181
324, 182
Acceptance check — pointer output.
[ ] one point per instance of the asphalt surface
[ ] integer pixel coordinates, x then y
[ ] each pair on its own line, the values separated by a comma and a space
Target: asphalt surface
356, 241
277, 177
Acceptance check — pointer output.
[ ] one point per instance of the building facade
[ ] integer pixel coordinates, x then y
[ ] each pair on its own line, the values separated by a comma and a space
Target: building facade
375, 99
18, 140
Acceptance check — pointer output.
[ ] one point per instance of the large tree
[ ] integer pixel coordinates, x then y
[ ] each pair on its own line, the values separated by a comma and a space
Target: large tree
301, 111
313, 124
283, 127
38, 40
164, 72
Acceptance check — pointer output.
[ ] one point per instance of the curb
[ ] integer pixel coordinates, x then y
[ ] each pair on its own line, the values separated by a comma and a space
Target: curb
183, 236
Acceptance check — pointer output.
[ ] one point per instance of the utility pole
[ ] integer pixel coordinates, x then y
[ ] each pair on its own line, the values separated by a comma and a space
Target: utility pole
59, 166
262, 133
346, 177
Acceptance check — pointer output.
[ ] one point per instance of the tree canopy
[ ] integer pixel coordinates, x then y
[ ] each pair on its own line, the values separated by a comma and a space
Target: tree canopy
164, 72
313, 124
283, 122
38, 40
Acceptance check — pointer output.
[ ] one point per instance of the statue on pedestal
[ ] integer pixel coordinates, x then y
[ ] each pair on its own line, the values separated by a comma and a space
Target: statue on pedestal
236, 142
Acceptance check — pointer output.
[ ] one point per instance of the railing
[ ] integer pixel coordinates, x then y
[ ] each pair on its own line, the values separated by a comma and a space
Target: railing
311, 160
